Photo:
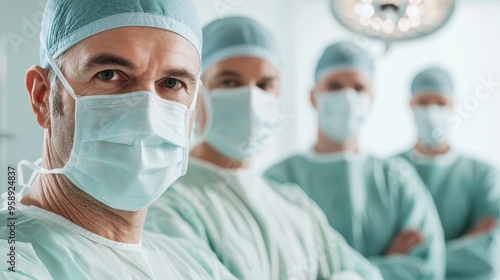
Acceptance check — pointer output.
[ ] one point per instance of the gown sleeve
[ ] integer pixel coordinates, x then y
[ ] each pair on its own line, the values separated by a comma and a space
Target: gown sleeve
479, 257
417, 211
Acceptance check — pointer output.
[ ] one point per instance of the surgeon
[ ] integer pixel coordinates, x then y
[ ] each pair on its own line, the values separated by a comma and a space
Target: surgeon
380, 207
114, 93
466, 190
257, 228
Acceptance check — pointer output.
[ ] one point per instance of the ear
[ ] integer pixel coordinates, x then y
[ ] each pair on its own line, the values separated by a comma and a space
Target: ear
372, 101
312, 97
413, 104
38, 86
450, 105
277, 91
371, 94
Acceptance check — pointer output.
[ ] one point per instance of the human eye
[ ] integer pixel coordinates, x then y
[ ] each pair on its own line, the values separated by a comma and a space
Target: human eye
359, 88
171, 83
108, 75
265, 86
229, 83
335, 86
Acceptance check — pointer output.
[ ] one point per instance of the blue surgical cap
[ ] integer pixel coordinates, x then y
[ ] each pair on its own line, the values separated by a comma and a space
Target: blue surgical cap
433, 79
237, 36
344, 56
67, 22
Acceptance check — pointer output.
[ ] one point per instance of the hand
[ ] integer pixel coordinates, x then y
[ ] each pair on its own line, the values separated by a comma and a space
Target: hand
405, 242
485, 225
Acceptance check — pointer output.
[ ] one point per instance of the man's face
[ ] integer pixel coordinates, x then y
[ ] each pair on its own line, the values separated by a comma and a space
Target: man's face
120, 61
336, 82
240, 72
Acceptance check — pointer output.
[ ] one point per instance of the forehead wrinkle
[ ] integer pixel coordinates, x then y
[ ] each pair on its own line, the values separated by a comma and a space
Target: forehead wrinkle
174, 61
108, 59
143, 54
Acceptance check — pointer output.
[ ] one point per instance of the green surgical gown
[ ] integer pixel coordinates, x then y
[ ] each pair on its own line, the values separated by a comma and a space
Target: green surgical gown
370, 201
465, 190
257, 228
47, 246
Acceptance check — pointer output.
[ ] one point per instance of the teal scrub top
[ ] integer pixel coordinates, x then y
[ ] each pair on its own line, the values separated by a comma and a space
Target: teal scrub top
465, 190
369, 201
259, 229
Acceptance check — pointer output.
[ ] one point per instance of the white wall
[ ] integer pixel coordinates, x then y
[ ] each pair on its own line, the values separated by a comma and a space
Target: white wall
19, 28
468, 46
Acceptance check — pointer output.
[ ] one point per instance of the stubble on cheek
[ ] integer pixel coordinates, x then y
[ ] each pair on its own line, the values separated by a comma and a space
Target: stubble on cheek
62, 128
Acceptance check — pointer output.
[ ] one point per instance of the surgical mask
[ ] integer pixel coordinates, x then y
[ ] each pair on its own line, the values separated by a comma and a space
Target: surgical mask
239, 120
127, 148
342, 113
432, 125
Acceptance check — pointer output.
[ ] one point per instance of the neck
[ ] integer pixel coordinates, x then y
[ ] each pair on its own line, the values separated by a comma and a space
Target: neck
206, 153
57, 194
425, 150
325, 145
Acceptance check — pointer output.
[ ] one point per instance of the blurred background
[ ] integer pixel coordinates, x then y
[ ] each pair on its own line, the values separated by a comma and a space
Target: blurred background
468, 46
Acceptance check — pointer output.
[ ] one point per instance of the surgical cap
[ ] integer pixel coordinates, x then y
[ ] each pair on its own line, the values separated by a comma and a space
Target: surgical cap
67, 22
237, 36
344, 56
433, 79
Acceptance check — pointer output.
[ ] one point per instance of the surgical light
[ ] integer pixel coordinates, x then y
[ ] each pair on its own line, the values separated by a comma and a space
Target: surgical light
393, 20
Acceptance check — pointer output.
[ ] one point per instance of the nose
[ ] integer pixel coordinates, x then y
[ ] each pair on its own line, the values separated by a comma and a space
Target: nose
144, 85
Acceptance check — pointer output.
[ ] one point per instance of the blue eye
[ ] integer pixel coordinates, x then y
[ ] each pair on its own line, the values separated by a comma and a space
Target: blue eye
172, 83
107, 75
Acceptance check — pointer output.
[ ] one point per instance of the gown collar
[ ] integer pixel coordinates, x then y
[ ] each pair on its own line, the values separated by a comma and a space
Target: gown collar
46, 215
334, 157
445, 159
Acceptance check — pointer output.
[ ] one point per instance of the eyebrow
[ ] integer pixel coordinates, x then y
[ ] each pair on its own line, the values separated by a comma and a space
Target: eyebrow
227, 73
107, 59
269, 78
232, 73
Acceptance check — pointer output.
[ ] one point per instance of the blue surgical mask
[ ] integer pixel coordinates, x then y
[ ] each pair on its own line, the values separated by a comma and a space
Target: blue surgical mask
432, 125
127, 148
342, 113
239, 120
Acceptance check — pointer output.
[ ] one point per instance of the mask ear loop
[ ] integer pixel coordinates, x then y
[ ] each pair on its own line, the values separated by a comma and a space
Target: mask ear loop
20, 182
35, 166
189, 111
196, 95
208, 116
57, 70
194, 138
